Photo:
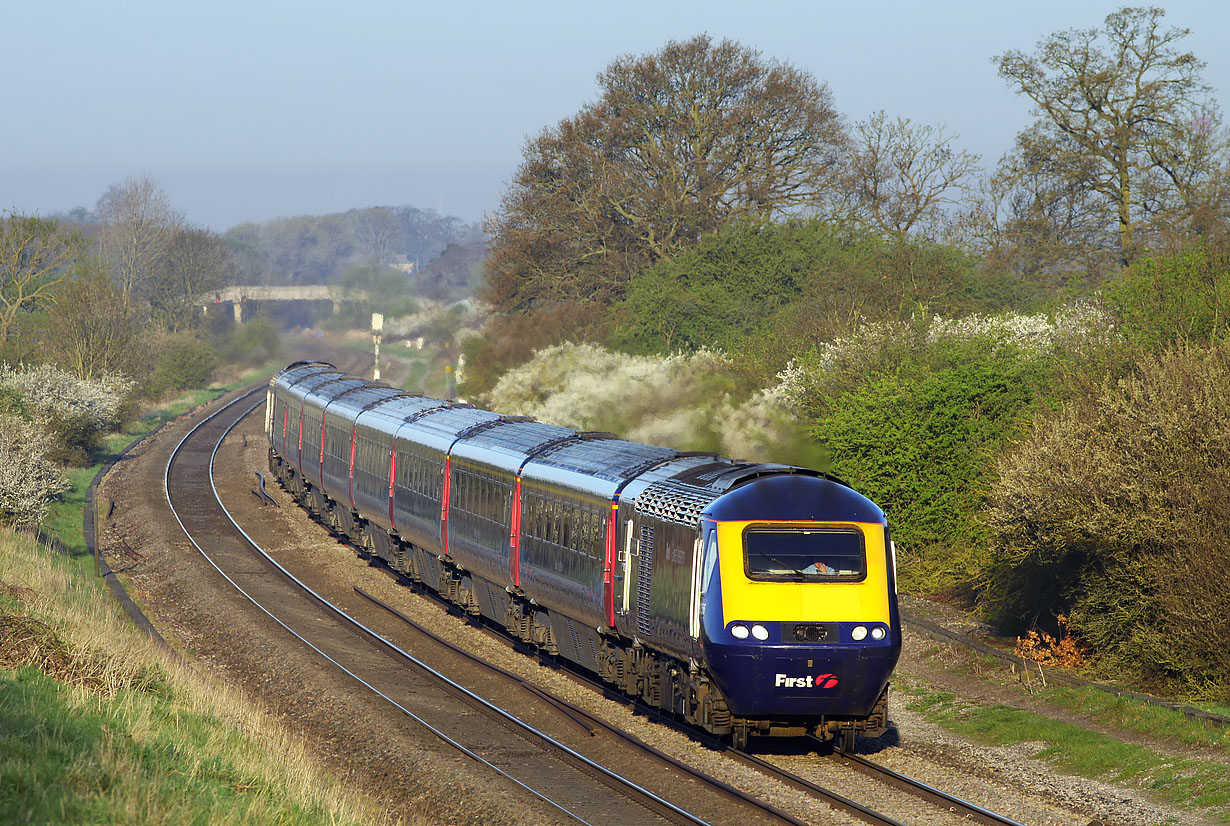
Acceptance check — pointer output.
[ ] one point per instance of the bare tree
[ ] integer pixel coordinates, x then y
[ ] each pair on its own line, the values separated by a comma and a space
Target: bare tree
194, 264
1124, 110
138, 227
376, 233
36, 254
901, 176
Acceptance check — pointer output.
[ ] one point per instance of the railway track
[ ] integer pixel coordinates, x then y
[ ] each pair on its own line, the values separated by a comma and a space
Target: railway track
963, 810
941, 807
528, 751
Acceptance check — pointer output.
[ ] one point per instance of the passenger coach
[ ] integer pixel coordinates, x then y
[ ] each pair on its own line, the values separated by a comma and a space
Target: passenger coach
749, 599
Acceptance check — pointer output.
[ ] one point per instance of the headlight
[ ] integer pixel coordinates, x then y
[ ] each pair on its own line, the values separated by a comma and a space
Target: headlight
879, 632
859, 632
739, 632
760, 632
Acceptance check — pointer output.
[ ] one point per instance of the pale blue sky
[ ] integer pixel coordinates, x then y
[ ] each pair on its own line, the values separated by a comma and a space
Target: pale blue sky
255, 109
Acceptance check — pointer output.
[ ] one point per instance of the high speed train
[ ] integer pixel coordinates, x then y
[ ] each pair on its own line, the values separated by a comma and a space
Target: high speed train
748, 599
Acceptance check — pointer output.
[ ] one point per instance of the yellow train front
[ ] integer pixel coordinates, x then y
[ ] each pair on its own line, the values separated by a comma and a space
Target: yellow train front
798, 603
758, 600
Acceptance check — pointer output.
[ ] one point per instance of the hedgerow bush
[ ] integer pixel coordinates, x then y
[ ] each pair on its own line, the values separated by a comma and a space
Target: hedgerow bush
180, 362
1179, 297
252, 343
29, 479
1115, 509
914, 412
920, 440
73, 412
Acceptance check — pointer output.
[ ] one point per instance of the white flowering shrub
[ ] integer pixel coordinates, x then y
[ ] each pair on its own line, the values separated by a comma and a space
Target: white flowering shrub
29, 479
50, 395
1033, 333
836, 366
684, 401
73, 412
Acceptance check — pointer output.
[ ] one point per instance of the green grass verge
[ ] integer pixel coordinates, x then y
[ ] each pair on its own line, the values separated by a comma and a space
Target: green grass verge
64, 516
127, 759
98, 726
1184, 782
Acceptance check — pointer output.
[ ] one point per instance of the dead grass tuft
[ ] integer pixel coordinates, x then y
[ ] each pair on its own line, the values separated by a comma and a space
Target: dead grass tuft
1041, 647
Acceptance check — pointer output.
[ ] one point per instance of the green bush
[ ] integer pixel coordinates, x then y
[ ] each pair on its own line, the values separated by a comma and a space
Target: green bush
1180, 297
1114, 510
918, 433
774, 287
180, 363
252, 343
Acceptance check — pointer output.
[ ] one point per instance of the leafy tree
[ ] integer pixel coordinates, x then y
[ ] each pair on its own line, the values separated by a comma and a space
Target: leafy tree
321, 249
36, 254
387, 289
92, 331
1121, 113
679, 143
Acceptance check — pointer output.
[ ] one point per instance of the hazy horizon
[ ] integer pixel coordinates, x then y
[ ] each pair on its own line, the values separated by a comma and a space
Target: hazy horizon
249, 112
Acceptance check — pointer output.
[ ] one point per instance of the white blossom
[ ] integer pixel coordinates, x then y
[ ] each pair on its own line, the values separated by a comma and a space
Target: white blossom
681, 401
49, 394
28, 479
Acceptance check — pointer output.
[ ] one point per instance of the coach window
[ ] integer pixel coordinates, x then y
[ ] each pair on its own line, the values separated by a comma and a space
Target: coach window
597, 526
711, 559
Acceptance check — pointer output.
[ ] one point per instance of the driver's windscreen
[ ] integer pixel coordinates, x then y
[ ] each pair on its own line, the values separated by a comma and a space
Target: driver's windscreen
800, 554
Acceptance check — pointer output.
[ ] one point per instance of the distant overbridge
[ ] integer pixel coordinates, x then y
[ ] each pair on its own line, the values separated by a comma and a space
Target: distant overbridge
237, 297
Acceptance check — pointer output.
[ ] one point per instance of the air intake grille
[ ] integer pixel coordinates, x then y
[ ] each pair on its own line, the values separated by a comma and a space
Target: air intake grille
673, 502
644, 578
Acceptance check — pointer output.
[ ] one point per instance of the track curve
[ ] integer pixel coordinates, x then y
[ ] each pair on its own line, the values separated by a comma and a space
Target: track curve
577, 787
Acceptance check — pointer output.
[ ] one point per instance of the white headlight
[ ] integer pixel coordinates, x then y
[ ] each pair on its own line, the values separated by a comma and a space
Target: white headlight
879, 632
859, 632
739, 632
760, 632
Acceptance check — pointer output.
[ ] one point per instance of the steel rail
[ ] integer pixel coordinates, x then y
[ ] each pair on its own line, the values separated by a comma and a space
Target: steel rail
654, 800
968, 810
592, 722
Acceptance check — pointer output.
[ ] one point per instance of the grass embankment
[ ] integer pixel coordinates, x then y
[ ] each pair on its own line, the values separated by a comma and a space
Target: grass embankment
99, 726
1161, 772
64, 517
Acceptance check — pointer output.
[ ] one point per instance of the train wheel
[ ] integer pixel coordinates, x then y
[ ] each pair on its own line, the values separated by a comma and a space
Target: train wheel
738, 737
843, 740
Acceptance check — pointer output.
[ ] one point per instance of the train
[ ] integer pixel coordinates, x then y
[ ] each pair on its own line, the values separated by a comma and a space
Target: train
748, 599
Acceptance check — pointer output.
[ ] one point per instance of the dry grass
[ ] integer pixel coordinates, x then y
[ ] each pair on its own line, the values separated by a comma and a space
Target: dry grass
129, 735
